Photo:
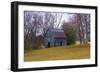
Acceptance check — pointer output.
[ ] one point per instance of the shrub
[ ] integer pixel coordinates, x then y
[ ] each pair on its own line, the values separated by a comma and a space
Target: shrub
70, 33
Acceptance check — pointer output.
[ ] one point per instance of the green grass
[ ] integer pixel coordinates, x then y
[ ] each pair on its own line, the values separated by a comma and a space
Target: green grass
58, 53
77, 42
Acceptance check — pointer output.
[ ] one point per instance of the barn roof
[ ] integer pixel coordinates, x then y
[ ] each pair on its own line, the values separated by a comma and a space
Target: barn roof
58, 33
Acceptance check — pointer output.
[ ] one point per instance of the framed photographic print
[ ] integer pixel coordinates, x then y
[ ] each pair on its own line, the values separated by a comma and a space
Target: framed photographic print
52, 36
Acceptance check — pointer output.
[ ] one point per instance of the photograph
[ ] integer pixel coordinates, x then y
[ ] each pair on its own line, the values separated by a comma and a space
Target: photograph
56, 36
52, 36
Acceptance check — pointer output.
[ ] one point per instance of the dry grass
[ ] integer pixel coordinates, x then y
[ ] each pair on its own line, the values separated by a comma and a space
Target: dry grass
58, 53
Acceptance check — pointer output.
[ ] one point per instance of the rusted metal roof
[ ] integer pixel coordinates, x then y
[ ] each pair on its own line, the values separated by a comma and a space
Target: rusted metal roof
59, 35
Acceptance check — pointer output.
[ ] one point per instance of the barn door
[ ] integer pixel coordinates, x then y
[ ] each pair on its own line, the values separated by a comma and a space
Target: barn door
48, 44
60, 43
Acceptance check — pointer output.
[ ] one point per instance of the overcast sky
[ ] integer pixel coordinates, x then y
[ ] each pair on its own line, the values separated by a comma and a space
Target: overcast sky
66, 17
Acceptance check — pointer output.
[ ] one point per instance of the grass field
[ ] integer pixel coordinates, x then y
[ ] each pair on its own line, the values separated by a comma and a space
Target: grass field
58, 53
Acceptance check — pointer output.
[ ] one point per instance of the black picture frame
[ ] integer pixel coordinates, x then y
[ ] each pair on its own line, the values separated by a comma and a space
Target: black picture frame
14, 35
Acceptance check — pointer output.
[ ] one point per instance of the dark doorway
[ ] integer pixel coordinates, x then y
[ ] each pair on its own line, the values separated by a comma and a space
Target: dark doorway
60, 43
48, 44
55, 44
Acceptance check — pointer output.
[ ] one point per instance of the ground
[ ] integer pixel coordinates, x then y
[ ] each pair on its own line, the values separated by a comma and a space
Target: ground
58, 53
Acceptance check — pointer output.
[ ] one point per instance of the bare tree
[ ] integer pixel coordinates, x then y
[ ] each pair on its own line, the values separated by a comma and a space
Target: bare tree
86, 22
50, 21
32, 22
83, 24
